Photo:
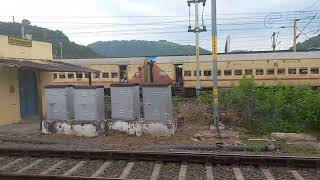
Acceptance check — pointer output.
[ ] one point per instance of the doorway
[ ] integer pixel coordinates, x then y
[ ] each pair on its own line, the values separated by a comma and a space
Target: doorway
123, 72
28, 92
178, 72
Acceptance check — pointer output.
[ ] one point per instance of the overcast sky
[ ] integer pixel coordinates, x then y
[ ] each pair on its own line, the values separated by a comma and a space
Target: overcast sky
250, 23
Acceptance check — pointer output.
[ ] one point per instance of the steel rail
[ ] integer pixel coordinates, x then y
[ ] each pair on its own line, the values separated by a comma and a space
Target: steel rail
214, 158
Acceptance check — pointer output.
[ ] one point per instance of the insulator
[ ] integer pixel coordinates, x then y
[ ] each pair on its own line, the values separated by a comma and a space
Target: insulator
189, 28
204, 28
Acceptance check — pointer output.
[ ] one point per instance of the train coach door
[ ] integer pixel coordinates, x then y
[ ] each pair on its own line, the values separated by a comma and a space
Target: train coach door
123, 72
178, 72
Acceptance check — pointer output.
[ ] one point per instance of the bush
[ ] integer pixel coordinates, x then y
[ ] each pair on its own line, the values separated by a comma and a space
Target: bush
272, 109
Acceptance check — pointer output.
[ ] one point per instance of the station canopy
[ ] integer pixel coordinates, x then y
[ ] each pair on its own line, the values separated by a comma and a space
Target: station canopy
44, 65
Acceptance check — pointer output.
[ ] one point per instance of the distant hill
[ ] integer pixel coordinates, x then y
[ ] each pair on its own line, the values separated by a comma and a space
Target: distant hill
70, 49
312, 43
138, 48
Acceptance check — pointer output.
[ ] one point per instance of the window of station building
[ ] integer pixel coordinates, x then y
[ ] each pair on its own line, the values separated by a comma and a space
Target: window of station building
303, 70
187, 73
238, 72
292, 71
114, 75
55, 76
314, 70
79, 75
270, 71
137, 74
259, 72
281, 71
62, 75
70, 75
139, 68
228, 72
96, 75
86, 75
207, 73
105, 75
248, 72
195, 73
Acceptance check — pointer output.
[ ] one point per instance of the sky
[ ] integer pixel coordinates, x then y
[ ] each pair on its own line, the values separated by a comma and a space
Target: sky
250, 23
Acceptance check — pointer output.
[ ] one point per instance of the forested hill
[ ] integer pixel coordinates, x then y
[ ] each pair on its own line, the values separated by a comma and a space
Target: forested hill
312, 43
136, 48
70, 49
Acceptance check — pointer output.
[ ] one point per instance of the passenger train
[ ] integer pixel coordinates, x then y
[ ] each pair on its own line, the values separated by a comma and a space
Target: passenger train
268, 68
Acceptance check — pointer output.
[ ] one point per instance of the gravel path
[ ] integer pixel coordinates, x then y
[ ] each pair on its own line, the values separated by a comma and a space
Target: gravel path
169, 171
281, 173
88, 168
141, 170
196, 171
252, 173
64, 167
309, 174
25, 162
223, 172
6, 160
115, 169
44, 165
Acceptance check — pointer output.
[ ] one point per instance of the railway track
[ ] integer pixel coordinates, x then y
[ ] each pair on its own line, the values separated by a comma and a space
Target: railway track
33, 164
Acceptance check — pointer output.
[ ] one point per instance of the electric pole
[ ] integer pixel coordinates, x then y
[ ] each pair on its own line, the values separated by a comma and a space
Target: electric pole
215, 66
295, 35
197, 31
274, 45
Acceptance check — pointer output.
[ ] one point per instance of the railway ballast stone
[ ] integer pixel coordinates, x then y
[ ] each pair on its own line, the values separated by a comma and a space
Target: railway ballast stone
293, 137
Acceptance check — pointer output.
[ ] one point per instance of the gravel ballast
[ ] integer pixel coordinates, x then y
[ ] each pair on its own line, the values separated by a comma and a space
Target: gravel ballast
25, 162
64, 167
309, 174
169, 171
196, 171
88, 168
115, 169
252, 173
141, 170
281, 173
44, 165
223, 172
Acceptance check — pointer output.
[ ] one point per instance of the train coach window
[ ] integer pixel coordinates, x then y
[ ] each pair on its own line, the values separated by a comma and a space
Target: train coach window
114, 75
96, 75
281, 71
292, 71
187, 73
62, 75
228, 72
219, 72
195, 73
79, 75
105, 75
238, 72
259, 72
248, 72
314, 70
270, 71
70, 76
55, 76
303, 70
207, 73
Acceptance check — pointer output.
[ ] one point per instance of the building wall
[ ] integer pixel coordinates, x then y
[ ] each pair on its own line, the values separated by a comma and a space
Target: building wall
39, 50
9, 95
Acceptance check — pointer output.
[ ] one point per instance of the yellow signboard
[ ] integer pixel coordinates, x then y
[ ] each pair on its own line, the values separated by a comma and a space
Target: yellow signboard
19, 42
214, 47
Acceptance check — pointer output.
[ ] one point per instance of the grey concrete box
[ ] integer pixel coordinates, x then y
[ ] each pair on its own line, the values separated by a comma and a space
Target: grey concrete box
89, 103
59, 100
125, 102
157, 102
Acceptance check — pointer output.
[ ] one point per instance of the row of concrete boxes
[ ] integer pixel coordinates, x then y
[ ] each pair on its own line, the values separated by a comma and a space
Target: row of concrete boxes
85, 104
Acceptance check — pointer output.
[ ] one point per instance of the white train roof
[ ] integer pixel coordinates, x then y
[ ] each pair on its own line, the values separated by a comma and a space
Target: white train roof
203, 58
